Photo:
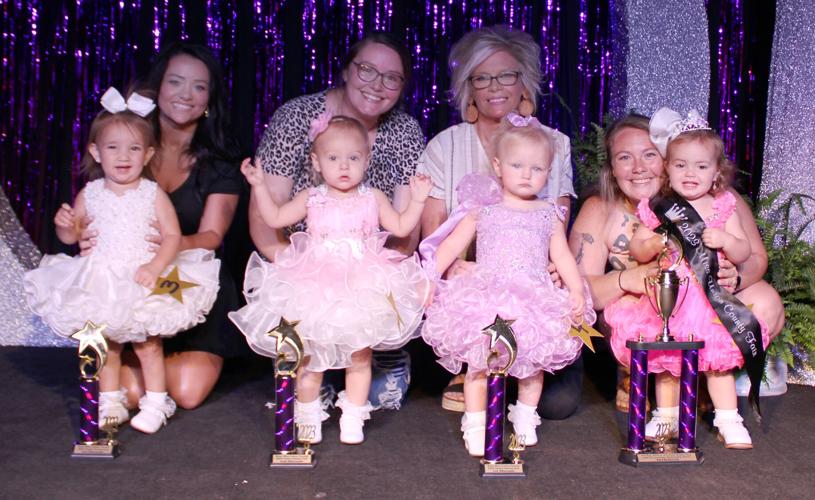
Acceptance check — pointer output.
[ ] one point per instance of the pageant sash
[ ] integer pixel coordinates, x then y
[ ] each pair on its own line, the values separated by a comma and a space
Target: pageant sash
681, 220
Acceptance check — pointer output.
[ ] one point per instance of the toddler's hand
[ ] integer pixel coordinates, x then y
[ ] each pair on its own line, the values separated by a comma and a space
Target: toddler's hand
459, 267
420, 186
254, 176
578, 304
66, 217
714, 237
146, 276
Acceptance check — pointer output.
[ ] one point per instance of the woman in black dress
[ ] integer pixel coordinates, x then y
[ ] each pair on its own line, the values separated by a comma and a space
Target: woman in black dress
196, 164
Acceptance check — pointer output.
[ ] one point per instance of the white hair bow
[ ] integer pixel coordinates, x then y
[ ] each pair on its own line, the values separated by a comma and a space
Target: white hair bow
113, 102
666, 124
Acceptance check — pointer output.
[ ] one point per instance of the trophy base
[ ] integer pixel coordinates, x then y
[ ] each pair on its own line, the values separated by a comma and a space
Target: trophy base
507, 470
670, 456
95, 450
659, 345
297, 459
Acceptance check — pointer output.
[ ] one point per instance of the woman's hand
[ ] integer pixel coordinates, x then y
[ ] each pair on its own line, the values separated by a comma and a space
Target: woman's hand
459, 267
156, 238
554, 275
87, 236
253, 175
728, 276
420, 186
633, 280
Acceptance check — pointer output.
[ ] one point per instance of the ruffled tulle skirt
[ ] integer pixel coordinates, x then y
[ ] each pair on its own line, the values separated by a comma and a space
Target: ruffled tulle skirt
69, 291
466, 304
347, 295
630, 317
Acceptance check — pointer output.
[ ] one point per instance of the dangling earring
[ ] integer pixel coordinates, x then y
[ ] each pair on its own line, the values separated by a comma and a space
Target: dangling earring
206, 113
471, 114
525, 107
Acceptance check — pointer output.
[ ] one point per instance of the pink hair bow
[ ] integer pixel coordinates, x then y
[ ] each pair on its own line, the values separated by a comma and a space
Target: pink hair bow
319, 124
522, 121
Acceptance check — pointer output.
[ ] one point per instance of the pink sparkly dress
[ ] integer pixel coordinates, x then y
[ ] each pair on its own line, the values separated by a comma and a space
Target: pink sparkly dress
510, 279
346, 289
629, 318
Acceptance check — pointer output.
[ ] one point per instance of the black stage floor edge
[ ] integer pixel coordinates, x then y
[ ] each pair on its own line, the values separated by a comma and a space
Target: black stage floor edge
221, 450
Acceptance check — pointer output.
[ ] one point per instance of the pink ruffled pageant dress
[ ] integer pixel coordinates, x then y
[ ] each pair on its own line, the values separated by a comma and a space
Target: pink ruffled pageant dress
68, 291
510, 279
338, 280
629, 317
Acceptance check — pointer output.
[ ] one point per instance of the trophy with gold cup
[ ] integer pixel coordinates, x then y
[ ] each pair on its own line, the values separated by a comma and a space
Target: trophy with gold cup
495, 464
663, 291
289, 357
93, 352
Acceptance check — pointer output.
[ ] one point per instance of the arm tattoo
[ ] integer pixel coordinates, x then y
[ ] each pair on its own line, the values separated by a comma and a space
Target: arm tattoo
584, 237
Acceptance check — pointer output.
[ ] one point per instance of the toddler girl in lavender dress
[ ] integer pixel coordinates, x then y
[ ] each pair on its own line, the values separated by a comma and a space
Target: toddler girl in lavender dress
516, 235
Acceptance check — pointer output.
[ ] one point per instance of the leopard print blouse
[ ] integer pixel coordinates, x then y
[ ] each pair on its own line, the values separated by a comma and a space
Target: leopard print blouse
285, 147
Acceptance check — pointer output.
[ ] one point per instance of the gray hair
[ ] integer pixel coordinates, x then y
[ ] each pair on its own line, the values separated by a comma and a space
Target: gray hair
476, 46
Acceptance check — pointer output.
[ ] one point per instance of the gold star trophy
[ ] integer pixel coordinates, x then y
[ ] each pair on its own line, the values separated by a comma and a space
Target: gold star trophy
93, 351
289, 357
495, 464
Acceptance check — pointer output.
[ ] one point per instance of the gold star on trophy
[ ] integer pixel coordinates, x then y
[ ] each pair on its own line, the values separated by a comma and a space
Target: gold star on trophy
585, 332
285, 333
172, 285
501, 331
91, 336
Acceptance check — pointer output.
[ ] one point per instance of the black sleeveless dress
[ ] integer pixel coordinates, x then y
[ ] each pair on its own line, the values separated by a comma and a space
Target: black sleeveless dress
217, 334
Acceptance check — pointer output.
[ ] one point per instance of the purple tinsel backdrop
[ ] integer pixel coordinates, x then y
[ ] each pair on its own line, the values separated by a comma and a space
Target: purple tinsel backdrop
59, 56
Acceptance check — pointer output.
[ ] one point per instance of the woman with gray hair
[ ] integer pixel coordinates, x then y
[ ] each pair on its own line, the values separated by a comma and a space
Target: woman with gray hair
495, 72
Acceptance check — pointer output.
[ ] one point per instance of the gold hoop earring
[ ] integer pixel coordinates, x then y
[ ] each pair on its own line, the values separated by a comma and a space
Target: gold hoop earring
525, 107
471, 114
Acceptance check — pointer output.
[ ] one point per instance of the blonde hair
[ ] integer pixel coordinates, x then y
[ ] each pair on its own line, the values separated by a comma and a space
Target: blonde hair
529, 133
341, 122
138, 125
476, 46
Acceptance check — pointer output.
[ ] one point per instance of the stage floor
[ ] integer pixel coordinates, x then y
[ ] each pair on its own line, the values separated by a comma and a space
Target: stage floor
221, 450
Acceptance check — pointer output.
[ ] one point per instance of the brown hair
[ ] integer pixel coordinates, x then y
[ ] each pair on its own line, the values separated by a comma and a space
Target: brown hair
726, 167
345, 123
136, 124
609, 189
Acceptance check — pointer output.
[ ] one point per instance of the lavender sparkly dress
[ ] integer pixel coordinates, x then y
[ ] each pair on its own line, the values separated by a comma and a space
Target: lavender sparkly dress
510, 279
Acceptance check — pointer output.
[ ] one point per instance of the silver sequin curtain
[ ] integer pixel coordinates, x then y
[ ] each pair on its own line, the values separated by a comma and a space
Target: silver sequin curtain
665, 50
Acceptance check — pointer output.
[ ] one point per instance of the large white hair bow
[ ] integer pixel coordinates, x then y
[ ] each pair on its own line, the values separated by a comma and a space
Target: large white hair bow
666, 124
113, 102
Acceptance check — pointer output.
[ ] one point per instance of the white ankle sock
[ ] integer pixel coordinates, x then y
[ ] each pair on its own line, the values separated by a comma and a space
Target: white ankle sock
668, 411
726, 414
156, 397
525, 407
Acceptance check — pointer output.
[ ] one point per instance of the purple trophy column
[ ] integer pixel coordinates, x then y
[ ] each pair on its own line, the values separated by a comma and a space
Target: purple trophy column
284, 413
687, 400
636, 399
494, 437
89, 410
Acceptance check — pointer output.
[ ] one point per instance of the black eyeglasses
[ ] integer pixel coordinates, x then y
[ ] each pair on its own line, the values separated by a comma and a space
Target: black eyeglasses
506, 78
391, 81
